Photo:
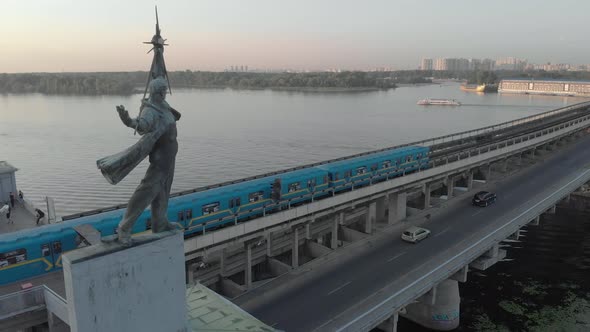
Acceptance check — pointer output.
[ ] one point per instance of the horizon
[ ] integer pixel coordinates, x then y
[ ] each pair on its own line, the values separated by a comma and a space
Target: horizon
303, 35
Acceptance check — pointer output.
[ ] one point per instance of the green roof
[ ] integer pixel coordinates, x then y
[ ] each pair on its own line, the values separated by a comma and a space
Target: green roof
211, 312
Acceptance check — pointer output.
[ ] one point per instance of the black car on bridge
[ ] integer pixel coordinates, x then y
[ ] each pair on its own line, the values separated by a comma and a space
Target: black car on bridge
483, 198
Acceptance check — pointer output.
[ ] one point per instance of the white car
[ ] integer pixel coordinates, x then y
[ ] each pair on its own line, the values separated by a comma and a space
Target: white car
415, 234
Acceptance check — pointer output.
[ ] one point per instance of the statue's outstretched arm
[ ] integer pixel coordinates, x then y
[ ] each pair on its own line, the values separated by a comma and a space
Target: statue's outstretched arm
141, 124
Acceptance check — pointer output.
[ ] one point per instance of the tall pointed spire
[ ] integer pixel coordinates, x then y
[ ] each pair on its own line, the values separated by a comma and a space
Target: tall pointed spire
158, 67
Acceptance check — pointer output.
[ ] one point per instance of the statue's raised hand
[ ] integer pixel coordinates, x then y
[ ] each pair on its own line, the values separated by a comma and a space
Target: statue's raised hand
124, 115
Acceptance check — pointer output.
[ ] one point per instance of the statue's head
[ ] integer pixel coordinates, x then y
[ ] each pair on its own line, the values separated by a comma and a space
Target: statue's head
158, 88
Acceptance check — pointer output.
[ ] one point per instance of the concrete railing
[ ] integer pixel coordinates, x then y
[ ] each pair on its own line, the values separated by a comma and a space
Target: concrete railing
480, 243
22, 302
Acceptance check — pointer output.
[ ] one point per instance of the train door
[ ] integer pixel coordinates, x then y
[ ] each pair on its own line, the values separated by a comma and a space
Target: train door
51, 251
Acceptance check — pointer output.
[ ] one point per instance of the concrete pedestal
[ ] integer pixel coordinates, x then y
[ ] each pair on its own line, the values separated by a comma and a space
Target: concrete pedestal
113, 288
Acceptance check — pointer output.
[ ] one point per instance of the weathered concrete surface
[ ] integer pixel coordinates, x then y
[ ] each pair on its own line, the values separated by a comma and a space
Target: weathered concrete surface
141, 288
438, 309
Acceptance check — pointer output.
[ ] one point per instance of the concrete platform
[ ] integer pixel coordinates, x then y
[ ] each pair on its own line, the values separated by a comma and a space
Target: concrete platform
22, 217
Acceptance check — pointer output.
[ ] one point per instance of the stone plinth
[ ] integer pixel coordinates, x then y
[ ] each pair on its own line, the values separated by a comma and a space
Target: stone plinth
113, 288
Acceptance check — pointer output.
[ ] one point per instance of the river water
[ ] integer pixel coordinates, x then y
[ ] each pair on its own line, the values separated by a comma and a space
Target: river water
227, 134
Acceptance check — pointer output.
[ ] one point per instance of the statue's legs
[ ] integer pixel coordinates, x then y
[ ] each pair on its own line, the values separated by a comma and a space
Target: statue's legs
160, 221
151, 185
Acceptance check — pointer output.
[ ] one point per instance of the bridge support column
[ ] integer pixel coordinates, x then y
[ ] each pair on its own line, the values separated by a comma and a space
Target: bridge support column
370, 218
439, 309
552, 210
535, 222
470, 180
295, 250
381, 206
248, 272
487, 172
390, 325
308, 231
338, 218
269, 244
190, 274
427, 195
504, 165
222, 262
450, 187
397, 207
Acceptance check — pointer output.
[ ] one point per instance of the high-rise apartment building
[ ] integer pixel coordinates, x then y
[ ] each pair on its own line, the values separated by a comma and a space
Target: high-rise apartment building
426, 64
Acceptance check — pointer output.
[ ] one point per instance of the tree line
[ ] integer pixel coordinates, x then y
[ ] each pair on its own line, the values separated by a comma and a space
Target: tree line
126, 83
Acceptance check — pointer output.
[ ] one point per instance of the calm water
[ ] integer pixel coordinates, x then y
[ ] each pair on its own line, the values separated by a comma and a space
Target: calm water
228, 134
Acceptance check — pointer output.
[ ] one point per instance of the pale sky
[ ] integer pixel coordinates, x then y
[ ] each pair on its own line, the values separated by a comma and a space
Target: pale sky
106, 35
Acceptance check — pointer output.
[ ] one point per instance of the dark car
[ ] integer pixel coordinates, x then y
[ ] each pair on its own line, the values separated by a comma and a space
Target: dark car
483, 198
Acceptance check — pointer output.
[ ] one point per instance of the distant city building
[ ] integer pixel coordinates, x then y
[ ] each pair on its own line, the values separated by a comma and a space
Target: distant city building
510, 63
426, 64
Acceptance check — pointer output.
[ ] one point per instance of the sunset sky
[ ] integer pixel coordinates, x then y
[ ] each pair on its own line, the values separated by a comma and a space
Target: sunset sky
60, 35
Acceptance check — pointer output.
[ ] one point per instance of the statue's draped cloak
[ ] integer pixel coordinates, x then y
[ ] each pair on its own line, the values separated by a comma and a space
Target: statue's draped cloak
116, 167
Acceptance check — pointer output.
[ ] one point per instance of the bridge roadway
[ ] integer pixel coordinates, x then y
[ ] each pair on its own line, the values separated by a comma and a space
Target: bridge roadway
334, 292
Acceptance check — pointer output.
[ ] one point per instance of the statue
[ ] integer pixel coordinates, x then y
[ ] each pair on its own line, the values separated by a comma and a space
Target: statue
156, 123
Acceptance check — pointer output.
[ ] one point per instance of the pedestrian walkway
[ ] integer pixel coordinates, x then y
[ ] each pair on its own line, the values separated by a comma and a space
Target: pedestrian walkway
21, 219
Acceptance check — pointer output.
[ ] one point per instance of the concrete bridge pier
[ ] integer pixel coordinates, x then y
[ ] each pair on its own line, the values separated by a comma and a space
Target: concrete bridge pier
427, 193
381, 208
438, 309
397, 207
450, 187
390, 325
371, 218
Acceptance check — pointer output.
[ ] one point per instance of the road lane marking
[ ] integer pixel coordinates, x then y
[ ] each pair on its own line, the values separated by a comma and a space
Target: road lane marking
363, 315
442, 232
339, 288
476, 213
396, 256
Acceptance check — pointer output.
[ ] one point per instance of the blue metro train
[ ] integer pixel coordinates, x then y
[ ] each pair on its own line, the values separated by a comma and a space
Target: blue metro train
33, 252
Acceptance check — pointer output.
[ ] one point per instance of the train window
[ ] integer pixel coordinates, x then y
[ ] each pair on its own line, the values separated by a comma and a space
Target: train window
335, 177
347, 174
387, 164
294, 187
256, 196
13, 257
234, 202
210, 208
374, 167
148, 222
238, 201
361, 170
188, 214
310, 183
180, 215
419, 156
326, 178
45, 250
408, 159
57, 247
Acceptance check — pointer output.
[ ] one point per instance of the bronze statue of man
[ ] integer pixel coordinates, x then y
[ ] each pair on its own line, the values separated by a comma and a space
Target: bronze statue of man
157, 125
